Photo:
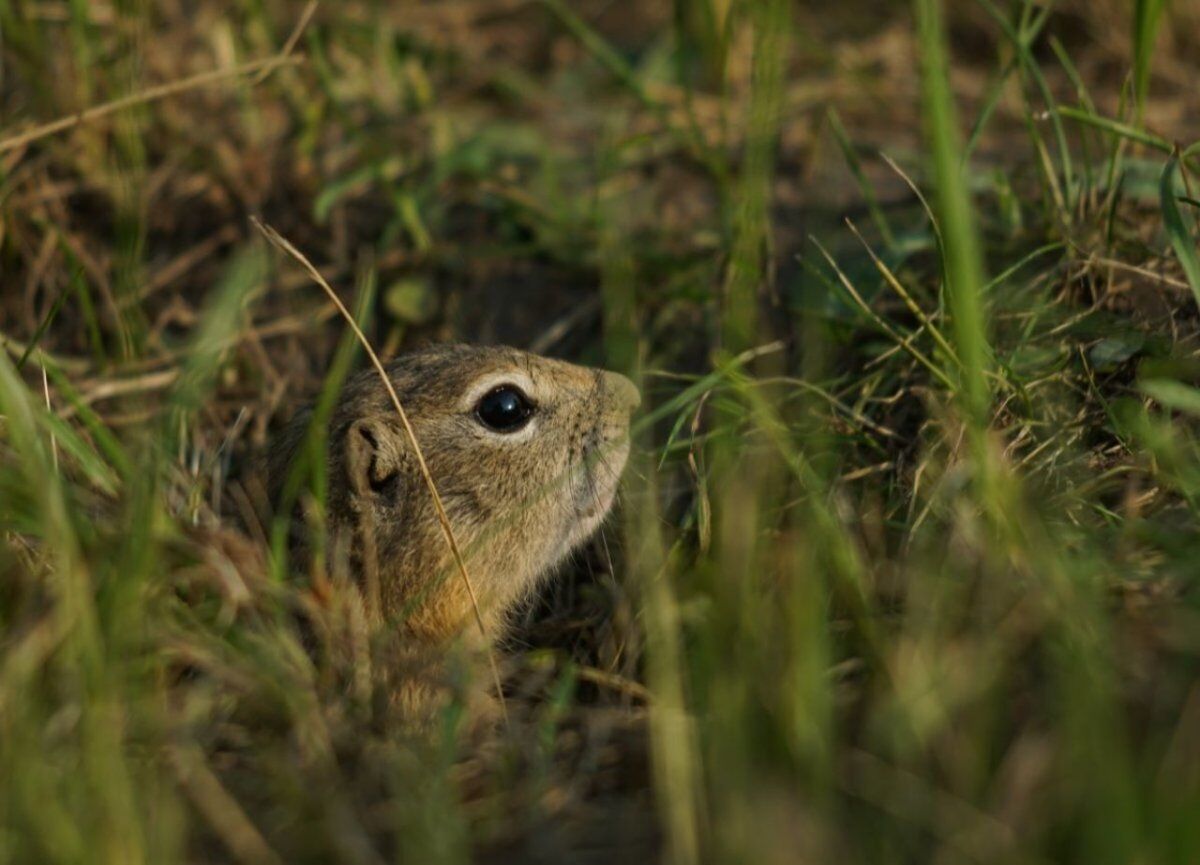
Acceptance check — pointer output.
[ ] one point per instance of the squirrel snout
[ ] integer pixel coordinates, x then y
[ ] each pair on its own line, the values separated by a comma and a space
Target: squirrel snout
623, 393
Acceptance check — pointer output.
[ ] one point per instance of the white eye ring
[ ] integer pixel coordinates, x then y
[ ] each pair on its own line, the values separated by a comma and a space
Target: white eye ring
514, 379
490, 382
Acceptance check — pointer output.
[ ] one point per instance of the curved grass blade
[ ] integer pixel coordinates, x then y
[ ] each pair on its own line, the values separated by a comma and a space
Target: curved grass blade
1177, 230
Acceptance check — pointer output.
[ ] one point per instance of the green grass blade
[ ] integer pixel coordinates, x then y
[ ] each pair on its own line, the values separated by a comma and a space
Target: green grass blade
864, 185
964, 259
310, 465
1173, 394
1177, 230
41, 330
997, 87
748, 258
1115, 127
97, 746
1085, 99
113, 451
1020, 42
1146, 17
218, 331
612, 60
905, 343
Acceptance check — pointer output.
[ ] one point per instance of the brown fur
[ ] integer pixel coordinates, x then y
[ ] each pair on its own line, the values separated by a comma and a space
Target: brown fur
518, 504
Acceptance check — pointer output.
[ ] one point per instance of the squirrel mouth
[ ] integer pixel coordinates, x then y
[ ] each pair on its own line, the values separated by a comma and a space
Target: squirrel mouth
597, 485
595, 508
594, 498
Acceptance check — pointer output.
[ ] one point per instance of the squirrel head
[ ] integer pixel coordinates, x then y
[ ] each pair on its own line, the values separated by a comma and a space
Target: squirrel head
526, 453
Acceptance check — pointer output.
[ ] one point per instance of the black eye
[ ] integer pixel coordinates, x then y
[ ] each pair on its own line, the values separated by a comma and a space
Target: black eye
504, 409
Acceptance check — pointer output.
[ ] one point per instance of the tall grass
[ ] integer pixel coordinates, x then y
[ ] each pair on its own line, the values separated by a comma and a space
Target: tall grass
904, 565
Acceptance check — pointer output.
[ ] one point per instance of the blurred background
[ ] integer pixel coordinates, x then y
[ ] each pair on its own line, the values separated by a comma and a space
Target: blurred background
904, 569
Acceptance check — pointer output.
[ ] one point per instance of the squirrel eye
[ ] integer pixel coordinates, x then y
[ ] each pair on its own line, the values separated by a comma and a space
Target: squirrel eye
504, 409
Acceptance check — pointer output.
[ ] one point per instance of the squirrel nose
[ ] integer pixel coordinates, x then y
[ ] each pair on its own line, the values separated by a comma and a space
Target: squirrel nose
623, 392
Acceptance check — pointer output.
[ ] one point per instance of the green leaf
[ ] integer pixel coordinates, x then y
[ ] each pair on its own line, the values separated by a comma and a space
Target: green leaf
1113, 351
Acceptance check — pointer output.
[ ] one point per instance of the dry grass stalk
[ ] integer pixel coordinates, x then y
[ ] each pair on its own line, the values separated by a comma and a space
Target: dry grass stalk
286, 246
151, 94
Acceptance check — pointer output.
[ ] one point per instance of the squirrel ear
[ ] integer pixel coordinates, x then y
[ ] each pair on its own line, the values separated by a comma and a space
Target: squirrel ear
375, 454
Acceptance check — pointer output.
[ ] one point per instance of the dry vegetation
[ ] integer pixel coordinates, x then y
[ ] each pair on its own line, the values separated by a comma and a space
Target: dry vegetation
906, 565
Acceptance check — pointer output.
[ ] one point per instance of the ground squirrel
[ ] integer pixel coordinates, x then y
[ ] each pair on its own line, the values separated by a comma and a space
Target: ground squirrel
525, 451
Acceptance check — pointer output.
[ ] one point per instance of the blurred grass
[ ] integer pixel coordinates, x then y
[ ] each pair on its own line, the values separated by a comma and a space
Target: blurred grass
904, 570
